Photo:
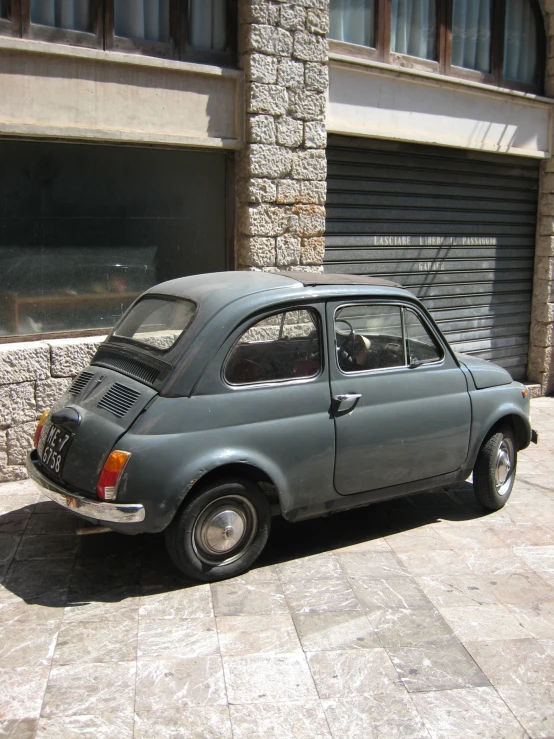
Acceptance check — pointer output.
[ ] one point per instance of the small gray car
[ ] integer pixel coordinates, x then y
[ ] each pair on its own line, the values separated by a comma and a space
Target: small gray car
222, 399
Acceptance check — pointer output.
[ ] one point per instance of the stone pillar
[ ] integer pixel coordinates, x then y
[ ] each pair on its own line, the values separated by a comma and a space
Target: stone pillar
541, 348
281, 172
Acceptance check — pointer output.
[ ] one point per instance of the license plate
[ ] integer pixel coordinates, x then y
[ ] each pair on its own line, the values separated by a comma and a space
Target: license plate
55, 448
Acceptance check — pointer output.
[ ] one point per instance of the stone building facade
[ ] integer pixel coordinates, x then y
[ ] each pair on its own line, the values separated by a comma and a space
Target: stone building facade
32, 376
541, 352
274, 114
282, 169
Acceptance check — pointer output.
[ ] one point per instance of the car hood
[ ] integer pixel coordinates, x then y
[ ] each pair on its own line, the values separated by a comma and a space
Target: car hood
485, 374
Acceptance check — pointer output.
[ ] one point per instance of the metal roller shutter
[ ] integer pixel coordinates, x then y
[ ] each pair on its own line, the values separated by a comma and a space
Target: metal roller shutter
455, 227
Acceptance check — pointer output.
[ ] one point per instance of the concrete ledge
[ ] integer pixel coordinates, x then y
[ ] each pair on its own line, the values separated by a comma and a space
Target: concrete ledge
67, 92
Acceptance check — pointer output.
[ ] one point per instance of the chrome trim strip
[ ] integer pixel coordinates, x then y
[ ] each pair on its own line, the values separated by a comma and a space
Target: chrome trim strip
93, 509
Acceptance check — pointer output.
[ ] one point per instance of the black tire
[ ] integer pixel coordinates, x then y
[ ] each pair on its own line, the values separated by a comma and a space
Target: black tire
495, 469
220, 531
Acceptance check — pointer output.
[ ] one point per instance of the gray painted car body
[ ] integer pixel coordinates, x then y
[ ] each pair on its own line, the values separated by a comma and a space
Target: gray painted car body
414, 429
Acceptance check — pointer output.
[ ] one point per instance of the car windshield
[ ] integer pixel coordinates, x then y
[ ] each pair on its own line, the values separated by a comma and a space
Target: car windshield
156, 322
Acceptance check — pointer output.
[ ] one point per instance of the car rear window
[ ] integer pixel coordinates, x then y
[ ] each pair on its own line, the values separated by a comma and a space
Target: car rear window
156, 322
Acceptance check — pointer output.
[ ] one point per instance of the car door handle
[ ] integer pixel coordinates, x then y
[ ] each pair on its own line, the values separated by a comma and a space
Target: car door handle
348, 396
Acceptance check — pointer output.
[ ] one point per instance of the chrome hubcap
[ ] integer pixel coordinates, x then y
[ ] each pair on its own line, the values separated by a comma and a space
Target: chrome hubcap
504, 467
224, 530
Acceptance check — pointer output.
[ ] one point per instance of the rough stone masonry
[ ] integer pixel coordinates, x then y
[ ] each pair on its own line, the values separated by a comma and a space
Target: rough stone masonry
281, 172
32, 376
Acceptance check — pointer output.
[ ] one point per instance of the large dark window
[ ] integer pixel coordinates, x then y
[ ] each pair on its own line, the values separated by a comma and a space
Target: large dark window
498, 42
197, 30
85, 229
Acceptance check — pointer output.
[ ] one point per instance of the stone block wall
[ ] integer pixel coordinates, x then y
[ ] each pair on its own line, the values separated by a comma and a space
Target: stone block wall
540, 368
32, 376
541, 349
281, 172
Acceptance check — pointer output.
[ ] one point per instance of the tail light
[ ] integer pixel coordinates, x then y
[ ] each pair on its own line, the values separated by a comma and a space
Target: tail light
109, 477
40, 426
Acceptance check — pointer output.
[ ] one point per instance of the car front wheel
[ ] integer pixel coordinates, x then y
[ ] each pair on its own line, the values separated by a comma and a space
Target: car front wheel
221, 531
495, 469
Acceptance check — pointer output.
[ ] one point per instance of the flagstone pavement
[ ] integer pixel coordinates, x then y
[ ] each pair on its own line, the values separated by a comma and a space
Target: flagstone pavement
418, 618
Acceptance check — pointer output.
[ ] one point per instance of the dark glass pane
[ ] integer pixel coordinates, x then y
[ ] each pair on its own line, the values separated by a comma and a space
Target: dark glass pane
207, 24
414, 28
285, 346
353, 21
369, 337
157, 322
520, 42
4, 9
471, 34
85, 229
73, 15
146, 20
421, 344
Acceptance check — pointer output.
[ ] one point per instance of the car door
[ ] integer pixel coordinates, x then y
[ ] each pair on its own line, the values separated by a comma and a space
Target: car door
264, 400
400, 402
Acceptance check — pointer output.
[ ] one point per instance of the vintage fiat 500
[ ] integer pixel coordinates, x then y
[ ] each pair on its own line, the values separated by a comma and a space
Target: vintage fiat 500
220, 400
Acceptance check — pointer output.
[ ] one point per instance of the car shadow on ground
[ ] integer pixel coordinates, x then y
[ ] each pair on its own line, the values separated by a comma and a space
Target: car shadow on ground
54, 567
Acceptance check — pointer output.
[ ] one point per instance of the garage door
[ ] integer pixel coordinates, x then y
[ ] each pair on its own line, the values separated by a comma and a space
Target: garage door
455, 227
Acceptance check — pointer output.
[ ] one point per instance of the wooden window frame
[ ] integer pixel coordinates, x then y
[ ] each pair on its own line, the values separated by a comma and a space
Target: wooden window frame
442, 64
165, 50
224, 58
38, 32
103, 37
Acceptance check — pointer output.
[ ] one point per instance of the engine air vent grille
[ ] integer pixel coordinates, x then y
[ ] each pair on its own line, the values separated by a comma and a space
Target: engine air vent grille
118, 400
132, 367
80, 382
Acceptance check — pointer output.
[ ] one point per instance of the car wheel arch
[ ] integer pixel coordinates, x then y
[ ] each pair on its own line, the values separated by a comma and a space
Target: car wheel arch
518, 426
509, 417
271, 479
240, 470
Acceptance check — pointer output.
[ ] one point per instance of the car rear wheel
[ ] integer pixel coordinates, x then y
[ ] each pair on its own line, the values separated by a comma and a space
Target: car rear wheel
495, 469
221, 531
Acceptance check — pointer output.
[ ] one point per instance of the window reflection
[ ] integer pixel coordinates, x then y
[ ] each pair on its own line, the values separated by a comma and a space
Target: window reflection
414, 28
46, 289
71, 14
520, 42
142, 19
207, 24
84, 229
471, 34
353, 21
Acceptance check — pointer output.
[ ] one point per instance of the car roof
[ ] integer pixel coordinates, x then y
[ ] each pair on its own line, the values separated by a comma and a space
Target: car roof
224, 299
331, 278
226, 287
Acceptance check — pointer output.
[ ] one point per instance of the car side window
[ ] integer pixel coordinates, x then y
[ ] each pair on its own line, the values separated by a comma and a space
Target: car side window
420, 342
369, 337
284, 346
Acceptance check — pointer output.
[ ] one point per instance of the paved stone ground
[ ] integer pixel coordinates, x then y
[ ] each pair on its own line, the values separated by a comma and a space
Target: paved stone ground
418, 618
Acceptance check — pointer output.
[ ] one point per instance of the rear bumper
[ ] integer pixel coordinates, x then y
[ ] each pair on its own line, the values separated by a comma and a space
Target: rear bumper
93, 510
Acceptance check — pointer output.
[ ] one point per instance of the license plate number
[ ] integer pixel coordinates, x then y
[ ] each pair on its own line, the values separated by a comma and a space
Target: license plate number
55, 448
